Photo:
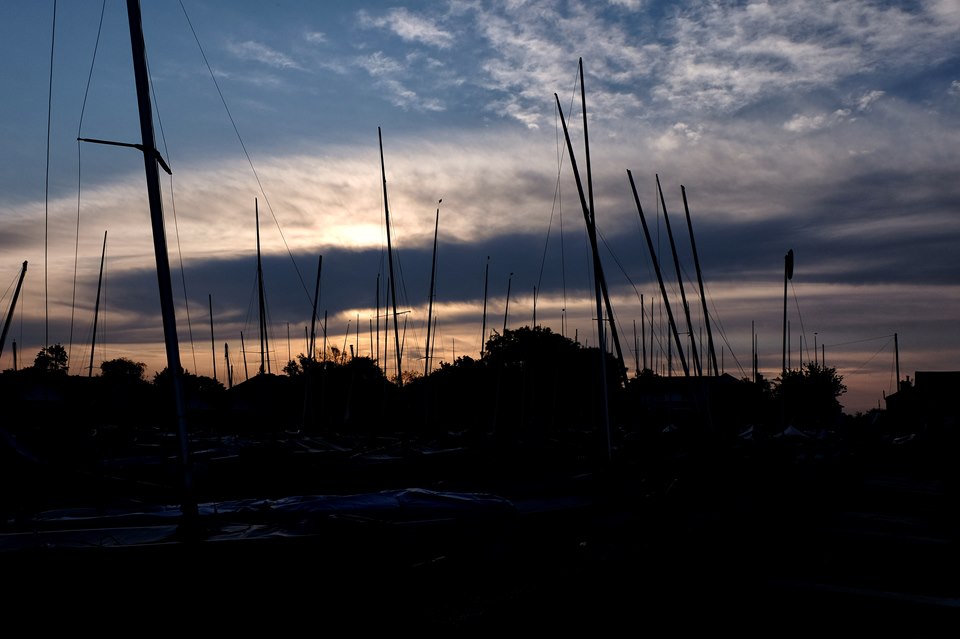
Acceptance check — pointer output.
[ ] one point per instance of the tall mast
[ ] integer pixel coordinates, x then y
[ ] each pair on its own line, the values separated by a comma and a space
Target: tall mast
393, 286
150, 161
896, 350
703, 297
433, 273
213, 343
226, 364
787, 275
264, 343
483, 326
683, 295
593, 224
96, 306
13, 305
643, 334
597, 277
656, 266
313, 318
506, 309
243, 352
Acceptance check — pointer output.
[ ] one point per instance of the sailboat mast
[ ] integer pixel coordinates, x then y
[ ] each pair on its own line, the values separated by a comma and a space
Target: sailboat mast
683, 295
656, 266
703, 297
150, 160
896, 350
593, 224
13, 305
597, 278
483, 325
787, 275
264, 357
96, 306
393, 285
226, 364
433, 274
213, 343
313, 318
243, 352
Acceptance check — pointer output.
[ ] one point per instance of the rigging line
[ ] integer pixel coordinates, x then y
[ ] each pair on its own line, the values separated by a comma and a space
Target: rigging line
83, 108
11, 285
556, 206
891, 384
803, 331
46, 188
858, 341
546, 241
244, 147
873, 357
715, 318
617, 260
173, 210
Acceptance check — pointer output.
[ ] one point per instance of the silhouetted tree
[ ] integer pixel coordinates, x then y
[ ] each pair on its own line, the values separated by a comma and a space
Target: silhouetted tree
528, 345
293, 368
123, 370
51, 359
192, 384
810, 395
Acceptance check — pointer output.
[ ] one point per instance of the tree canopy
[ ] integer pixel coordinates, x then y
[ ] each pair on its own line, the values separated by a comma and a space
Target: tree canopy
51, 359
810, 395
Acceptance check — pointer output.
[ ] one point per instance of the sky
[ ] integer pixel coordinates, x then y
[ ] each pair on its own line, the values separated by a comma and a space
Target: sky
830, 129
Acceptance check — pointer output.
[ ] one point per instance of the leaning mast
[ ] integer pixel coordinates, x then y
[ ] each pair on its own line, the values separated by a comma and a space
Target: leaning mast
393, 285
151, 158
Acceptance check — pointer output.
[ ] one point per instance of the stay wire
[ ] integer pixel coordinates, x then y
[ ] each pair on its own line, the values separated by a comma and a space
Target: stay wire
244, 147
862, 366
803, 331
83, 108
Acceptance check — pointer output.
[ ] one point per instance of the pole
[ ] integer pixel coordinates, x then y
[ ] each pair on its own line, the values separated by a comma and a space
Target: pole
483, 327
656, 266
13, 305
262, 308
243, 351
433, 273
787, 275
313, 316
683, 295
213, 344
226, 364
703, 297
393, 284
96, 307
150, 159
506, 310
597, 277
896, 350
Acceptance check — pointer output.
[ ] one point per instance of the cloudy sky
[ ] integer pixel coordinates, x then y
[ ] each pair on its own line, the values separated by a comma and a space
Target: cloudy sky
830, 129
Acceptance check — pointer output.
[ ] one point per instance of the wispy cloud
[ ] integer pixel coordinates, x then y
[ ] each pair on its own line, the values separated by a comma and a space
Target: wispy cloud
409, 26
259, 52
389, 74
805, 123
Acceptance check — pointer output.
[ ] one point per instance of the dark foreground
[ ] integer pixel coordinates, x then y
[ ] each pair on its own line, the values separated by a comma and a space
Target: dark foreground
760, 539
